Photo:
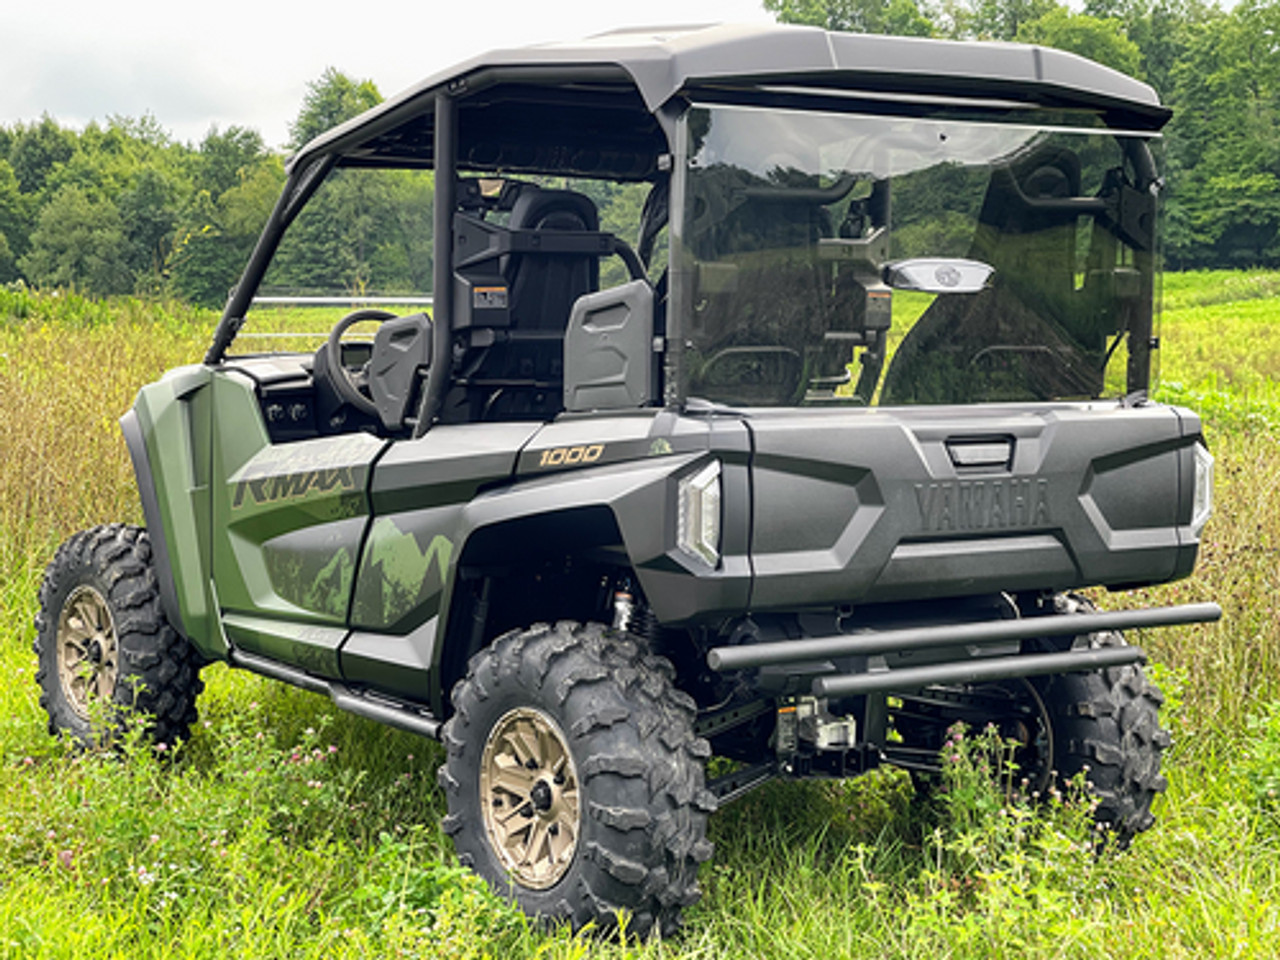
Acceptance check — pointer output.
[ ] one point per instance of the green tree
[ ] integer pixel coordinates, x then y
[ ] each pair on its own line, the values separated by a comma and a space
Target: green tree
1002, 19
1102, 40
218, 234
1158, 28
1224, 140
36, 149
896, 17
225, 158
79, 242
148, 213
13, 223
329, 101
348, 237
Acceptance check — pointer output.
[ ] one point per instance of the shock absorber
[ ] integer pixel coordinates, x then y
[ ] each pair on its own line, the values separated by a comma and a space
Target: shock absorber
632, 615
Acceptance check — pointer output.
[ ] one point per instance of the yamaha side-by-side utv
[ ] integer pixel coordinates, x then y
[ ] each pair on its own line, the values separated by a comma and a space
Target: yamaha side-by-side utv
779, 391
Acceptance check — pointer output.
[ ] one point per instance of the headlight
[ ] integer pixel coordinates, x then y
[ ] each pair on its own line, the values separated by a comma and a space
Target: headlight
1202, 495
698, 524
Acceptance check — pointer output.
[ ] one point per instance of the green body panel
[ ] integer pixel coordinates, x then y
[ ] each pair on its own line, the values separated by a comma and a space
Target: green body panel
404, 567
312, 647
173, 417
288, 521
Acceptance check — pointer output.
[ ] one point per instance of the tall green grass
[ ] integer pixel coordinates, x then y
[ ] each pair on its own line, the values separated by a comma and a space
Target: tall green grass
284, 828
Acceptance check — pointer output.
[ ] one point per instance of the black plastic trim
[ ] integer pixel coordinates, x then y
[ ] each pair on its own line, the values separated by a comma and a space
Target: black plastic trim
137, 446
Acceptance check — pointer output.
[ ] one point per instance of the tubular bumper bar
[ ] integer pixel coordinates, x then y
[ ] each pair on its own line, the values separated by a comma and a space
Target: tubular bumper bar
954, 635
972, 671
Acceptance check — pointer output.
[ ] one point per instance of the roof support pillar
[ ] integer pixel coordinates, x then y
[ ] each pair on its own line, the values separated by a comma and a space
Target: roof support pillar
444, 161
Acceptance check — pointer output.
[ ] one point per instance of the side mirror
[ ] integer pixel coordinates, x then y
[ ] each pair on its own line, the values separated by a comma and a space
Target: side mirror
401, 351
938, 275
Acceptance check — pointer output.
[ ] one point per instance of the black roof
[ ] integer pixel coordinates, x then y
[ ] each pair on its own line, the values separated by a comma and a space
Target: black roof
602, 97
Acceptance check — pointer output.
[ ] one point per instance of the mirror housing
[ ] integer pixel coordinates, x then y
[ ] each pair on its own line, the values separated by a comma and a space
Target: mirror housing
938, 275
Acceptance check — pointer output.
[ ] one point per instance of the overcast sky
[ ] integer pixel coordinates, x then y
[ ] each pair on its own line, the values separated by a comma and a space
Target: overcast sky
247, 62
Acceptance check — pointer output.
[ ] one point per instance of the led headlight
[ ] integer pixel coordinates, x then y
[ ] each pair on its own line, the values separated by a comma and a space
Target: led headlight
1202, 494
698, 522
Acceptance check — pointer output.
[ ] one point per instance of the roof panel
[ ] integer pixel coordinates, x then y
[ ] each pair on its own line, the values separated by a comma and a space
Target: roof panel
661, 61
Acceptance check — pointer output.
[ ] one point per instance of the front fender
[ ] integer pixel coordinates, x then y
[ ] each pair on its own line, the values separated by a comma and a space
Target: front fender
170, 463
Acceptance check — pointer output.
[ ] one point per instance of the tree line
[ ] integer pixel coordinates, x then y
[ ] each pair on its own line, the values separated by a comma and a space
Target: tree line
121, 207
1218, 69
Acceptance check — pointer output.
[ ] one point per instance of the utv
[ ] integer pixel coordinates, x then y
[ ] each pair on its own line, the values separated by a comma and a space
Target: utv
800, 475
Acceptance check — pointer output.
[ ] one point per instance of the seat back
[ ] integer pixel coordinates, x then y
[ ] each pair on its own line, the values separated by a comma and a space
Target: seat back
545, 286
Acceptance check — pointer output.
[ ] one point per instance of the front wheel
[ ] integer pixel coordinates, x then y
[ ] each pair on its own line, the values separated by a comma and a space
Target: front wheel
104, 646
573, 779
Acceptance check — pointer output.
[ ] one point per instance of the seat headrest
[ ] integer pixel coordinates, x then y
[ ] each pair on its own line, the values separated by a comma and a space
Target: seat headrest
541, 209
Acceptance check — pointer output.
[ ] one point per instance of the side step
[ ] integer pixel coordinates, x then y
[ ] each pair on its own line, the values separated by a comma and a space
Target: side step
393, 713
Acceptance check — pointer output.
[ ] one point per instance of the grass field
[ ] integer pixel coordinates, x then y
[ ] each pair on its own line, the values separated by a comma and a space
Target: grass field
287, 829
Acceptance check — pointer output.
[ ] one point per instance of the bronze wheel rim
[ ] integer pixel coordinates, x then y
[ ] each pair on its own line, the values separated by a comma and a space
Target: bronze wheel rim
88, 650
529, 797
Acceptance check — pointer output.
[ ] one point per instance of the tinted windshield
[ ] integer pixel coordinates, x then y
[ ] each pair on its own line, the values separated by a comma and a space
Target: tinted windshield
820, 258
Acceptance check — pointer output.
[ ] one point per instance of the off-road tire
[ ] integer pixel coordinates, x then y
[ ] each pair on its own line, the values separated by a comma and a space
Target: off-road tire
152, 670
639, 768
1106, 725
1102, 724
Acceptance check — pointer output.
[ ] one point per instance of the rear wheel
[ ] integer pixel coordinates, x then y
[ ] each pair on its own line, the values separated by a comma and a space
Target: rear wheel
103, 645
573, 779
1103, 724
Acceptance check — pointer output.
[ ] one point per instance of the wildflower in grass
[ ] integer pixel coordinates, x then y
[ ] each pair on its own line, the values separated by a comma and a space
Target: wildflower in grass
66, 859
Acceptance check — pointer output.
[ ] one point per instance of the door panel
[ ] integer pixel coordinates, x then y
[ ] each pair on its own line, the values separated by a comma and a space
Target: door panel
419, 491
288, 521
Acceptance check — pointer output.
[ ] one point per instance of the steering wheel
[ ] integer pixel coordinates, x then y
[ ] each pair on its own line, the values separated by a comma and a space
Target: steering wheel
344, 381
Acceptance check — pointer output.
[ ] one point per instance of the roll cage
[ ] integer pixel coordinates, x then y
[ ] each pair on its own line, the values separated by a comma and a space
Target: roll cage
611, 108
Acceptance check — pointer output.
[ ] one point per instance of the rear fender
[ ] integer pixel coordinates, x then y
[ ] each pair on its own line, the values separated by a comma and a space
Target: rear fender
625, 505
